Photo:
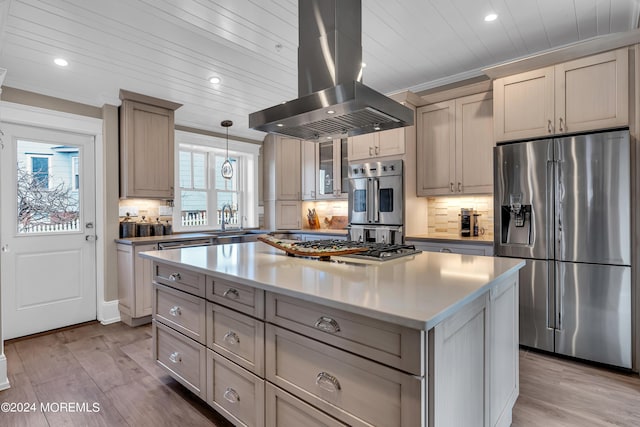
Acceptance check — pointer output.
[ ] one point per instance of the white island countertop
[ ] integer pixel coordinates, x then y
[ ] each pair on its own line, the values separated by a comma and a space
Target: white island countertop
416, 291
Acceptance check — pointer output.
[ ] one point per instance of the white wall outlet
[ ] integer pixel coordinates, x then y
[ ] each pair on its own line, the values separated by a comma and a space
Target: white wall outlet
133, 210
165, 210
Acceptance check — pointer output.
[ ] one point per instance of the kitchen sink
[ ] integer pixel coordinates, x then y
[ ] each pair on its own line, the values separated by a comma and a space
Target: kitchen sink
234, 236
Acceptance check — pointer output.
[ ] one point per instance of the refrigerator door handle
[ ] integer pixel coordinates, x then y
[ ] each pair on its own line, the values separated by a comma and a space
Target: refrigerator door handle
551, 295
549, 193
559, 294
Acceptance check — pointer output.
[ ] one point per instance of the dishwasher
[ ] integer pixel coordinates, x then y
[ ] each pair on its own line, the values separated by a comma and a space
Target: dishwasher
184, 244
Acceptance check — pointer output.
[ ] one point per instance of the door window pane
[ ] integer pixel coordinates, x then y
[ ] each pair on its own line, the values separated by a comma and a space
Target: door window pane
47, 196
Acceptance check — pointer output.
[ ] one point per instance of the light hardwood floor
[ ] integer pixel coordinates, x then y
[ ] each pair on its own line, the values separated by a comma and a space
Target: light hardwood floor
111, 366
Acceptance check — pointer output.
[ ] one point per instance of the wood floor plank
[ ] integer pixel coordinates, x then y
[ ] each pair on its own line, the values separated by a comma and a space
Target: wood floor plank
106, 364
91, 407
149, 402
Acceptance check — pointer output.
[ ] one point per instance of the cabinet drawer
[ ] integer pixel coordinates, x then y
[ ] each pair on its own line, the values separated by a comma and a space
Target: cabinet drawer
234, 391
285, 410
383, 342
179, 278
353, 389
184, 358
183, 312
236, 336
246, 299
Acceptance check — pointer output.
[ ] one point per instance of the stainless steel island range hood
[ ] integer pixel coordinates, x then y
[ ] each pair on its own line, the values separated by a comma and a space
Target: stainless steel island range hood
332, 102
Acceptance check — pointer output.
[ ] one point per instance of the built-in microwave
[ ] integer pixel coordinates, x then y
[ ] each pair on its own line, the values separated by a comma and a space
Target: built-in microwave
376, 193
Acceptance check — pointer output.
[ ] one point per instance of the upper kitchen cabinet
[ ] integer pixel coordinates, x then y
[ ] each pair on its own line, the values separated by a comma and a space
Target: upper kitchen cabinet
325, 169
455, 147
282, 168
585, 94
378, 144
146, 146
282, 183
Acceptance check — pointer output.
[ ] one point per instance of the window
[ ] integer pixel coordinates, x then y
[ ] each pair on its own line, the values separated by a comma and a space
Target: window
75, 174
204, 194
40, 171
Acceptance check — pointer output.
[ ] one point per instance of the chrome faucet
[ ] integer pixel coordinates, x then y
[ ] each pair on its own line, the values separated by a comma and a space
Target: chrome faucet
224, 222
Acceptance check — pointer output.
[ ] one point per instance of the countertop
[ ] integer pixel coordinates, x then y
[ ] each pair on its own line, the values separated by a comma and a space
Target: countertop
417, 291
210, 234
451, 238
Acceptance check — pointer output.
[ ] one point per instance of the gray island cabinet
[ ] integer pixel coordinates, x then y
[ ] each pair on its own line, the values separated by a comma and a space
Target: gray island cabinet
271, 340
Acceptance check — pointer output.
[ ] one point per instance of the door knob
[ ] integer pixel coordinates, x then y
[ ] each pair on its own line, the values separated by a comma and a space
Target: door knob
90, 238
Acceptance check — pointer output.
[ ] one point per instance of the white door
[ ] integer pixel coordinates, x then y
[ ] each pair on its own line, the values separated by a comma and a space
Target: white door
48, 251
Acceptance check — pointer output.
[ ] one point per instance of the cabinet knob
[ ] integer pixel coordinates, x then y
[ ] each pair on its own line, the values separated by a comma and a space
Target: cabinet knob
327, 324
459, 187
175, 357
175, 311
175, 276
562, 129
549, 128
328, 382
231, 293
231, 395
377, 150
451, 187
231, 338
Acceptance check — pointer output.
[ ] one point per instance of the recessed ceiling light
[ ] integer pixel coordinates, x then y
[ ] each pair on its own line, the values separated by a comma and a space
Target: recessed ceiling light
330, 112
364, 64
215, 80
491, 17
61, 62
329, 137
280, 125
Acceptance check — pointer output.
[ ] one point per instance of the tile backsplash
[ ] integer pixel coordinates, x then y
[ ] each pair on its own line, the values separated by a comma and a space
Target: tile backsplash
444, 213
331, 214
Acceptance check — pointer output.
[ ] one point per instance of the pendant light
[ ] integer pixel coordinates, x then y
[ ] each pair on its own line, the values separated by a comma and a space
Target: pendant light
227, 169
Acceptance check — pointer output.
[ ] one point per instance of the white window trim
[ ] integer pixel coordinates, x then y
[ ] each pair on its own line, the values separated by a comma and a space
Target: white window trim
30, 158
247, 154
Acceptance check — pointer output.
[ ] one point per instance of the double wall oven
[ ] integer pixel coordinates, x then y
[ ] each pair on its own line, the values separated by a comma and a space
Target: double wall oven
376, 201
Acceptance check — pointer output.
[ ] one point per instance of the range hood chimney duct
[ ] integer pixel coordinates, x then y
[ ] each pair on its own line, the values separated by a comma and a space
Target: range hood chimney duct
332, 101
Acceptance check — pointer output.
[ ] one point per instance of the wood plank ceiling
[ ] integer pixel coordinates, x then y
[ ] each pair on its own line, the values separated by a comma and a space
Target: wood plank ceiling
170, 48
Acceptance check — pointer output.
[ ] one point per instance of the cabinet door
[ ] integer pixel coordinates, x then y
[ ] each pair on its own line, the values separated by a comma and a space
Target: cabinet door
435, 165
309, 156
390, 142
524, 105
288, 215
326, 177
361, 147
593, 92
474, 144
143, 279
146, 152
288, 169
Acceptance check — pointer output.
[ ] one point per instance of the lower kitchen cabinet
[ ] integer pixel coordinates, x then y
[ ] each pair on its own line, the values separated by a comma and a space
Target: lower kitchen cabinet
454, 248
331, 367
283, 409
134, 284
234, 392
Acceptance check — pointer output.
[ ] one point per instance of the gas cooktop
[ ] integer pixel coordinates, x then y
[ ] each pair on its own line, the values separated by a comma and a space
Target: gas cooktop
370, 250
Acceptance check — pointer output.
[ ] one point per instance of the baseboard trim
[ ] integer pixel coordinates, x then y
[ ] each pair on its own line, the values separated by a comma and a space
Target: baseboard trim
109, 312
4, 379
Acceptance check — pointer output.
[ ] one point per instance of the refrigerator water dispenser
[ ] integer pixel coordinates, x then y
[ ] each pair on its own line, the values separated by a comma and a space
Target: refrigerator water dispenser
516, 224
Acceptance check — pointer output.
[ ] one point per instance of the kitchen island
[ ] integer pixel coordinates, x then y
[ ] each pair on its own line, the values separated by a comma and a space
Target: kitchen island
269, 339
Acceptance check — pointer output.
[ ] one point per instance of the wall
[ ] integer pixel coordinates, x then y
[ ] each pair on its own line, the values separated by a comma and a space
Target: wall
443, 213
111, 161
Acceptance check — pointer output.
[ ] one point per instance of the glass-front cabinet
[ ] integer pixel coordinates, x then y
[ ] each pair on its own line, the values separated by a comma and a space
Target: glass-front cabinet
325, 171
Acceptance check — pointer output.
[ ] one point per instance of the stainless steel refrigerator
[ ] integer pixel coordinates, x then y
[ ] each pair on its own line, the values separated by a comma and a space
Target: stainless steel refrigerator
564, 205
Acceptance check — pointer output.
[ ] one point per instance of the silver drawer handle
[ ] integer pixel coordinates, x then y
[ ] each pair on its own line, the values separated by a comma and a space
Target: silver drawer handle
231, 293
175, 357
175, 311
231, 338
327, 324
231, 395
445, 250
328, 382
175, 276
